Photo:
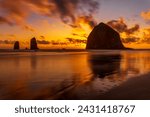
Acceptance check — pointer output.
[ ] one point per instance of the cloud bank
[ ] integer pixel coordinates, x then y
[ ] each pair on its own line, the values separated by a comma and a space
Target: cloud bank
7, 42
69, 11
146, 16
129, 33
121, 26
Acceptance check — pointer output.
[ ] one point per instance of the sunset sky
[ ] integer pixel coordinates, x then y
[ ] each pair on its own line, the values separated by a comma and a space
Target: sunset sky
67, 23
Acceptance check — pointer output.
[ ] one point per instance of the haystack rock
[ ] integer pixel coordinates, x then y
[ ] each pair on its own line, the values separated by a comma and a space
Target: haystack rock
33, 44
16, 45
104, 37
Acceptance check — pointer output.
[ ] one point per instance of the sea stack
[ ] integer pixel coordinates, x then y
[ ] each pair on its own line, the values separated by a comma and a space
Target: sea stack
16, 45
33, 44
104, 37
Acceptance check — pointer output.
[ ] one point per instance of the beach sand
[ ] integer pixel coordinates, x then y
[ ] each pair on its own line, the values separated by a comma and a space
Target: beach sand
137, 88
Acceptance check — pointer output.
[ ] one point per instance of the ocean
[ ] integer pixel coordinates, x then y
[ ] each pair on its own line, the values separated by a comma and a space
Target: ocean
68, 75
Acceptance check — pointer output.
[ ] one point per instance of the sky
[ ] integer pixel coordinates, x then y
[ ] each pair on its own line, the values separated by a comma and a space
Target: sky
67, 23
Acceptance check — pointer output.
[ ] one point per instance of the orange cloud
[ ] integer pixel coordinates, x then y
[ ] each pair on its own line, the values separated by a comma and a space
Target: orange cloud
128, 34
87, 20
76, 41
7, 42
43, 42
146, 36
16, 13
146, 15
121, 26
4, 20
29, 28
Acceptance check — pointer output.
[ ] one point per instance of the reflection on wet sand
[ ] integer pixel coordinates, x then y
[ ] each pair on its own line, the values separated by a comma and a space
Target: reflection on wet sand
68, 75
104, 65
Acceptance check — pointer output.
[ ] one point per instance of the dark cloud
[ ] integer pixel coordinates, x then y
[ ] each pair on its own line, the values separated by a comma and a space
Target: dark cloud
29, 28
133, 29
7, 42
42, 37
71, 11
146, 40
43, 42
80, 35
70, 8
67, 10
76, 41
75, 34
121, 26
63, 43
14, 12
130, 40
55, 43
4, 20
87, 20
146, 36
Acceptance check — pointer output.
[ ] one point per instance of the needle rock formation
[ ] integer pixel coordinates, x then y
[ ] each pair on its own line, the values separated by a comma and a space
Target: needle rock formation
33, 44
16, 45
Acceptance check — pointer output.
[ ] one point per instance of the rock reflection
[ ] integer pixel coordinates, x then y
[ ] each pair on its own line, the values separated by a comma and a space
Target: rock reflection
33, 61
104, 65
68, 75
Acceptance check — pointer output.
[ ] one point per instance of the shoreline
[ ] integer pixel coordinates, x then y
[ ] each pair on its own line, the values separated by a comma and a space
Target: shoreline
68, 50
136, 88
44, 50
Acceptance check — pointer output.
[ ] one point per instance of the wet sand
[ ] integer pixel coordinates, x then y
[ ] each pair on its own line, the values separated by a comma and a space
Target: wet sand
137, 88
74, 75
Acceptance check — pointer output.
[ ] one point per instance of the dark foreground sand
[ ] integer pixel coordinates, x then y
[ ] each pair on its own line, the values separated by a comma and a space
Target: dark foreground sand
134, 89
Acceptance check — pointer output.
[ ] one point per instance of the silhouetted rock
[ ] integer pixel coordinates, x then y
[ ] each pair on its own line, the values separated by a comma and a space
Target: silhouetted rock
16, 45
33, 44
104, 37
